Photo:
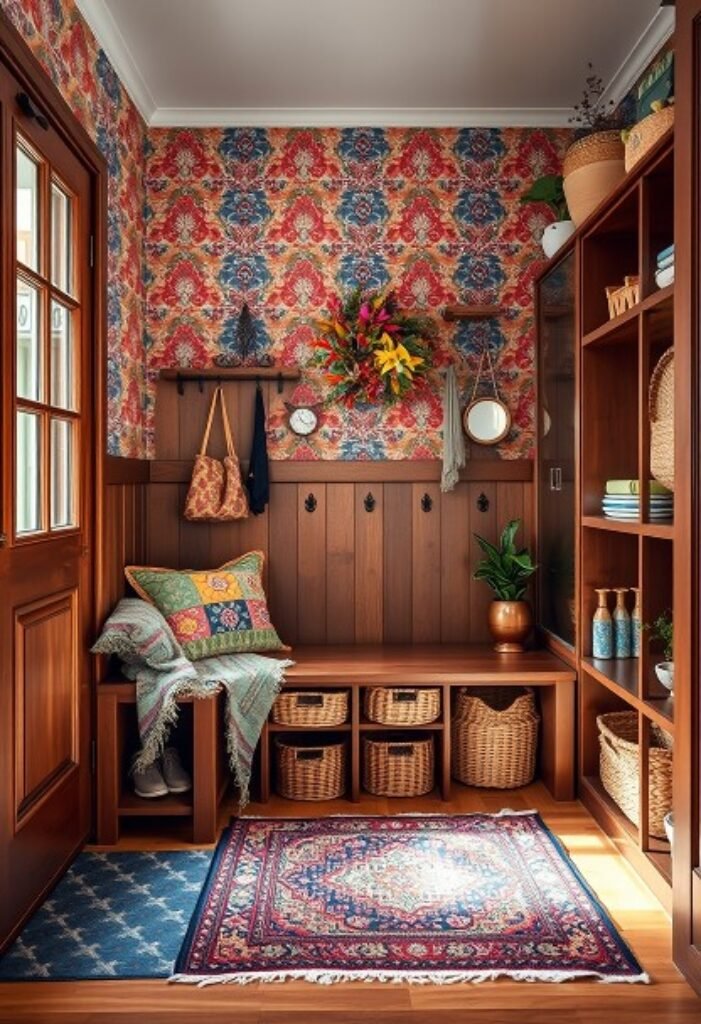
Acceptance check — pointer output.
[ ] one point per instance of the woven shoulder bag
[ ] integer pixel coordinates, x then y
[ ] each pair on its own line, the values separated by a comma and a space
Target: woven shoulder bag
216, 491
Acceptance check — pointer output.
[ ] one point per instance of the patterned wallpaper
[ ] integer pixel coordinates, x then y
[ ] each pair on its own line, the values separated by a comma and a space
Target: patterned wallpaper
65, 47
283, 219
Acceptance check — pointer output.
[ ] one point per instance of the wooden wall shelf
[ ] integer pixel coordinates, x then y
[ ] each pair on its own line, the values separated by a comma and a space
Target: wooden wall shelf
464, 312
222, 373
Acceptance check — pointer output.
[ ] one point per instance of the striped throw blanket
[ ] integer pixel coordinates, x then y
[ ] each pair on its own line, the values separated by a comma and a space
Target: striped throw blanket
150, 655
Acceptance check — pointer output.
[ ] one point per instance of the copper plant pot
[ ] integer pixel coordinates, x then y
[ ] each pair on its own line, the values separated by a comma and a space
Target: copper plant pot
510, 623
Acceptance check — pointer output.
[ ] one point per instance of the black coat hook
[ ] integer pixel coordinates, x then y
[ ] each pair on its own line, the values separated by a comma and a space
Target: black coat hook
369, 502
310, 503
483, 502
427, 502
27, 107
180, 385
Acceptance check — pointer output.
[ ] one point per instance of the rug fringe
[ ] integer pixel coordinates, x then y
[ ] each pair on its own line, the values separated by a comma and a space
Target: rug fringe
326, 977
505, 812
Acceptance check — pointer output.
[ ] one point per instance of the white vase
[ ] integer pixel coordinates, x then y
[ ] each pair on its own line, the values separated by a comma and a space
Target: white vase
555, 236
664, 670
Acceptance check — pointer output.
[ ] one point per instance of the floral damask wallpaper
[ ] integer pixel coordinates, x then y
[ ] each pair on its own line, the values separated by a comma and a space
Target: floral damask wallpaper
283, 219
65, 47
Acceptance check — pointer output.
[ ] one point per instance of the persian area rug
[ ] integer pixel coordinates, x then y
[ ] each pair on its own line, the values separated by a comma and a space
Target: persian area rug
112, 915
434, 899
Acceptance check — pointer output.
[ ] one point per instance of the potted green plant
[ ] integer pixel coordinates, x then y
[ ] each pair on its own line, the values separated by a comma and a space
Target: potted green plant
506, 570
548, 189
594, 164
662, 631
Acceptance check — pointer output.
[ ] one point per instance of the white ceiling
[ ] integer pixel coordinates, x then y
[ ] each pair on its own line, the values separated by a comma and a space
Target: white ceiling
339, 62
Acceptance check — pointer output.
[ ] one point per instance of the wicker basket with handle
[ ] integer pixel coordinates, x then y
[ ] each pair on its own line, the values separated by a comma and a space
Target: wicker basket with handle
398, 766
643, 135
310, 768
619, 767
662, 420
407, 705
311, 708
495, 736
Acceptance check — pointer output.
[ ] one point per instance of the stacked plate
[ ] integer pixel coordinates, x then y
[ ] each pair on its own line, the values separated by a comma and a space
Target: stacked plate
626, 507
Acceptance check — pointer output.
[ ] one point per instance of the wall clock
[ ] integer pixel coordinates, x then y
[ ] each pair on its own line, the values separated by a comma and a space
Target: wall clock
303, 419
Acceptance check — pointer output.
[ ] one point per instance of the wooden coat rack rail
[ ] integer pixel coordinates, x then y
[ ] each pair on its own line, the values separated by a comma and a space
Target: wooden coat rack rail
224, 373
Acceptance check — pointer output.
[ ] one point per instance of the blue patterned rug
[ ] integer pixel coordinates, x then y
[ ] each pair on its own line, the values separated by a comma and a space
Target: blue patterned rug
113, 915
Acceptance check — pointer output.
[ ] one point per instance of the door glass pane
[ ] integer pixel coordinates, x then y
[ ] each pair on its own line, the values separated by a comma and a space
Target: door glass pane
27, 209
61, 474
29, 361
61, 357
28, 484
60, 238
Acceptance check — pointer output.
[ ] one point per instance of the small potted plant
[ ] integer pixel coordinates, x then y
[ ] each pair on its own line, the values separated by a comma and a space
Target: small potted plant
506, 570
594, 164
548, 189
662, 631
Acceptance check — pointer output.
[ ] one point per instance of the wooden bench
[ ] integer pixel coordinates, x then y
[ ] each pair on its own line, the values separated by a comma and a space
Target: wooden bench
352, 668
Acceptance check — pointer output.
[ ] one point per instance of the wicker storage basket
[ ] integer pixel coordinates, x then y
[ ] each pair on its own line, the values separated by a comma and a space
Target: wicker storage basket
619, 767
410, 705
495, 736
311, 708
662, 420
643, 135
398, 765
310, 768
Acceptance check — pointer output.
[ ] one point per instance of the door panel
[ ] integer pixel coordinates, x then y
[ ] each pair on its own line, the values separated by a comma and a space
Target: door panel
46, 691
46, 507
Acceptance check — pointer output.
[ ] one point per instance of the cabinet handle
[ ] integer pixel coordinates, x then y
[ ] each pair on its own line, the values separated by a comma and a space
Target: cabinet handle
552, 479
558, 479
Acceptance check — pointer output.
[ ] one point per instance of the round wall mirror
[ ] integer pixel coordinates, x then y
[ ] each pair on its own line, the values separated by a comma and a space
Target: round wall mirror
486, 421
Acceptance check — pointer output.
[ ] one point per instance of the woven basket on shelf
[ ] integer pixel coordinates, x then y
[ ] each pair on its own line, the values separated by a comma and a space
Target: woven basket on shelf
398, 766
408, 705
310, 770
311, 708
643, 135
619, 767
662, 420
495, 736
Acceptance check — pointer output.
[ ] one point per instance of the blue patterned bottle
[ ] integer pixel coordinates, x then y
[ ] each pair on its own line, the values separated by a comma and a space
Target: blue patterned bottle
636, 625
602, 628
621, 624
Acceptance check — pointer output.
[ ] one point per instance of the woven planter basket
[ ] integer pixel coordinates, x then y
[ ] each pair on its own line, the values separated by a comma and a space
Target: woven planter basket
411, 705
398, 766
619, 767
495, 737
592, 168
645, 134
661, 407
310, 708
310, 770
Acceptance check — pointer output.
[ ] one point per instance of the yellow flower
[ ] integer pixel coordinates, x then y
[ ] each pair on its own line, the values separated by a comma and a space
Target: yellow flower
397, 359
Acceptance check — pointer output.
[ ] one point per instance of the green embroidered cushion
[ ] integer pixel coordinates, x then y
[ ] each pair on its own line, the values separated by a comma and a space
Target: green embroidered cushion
212, 611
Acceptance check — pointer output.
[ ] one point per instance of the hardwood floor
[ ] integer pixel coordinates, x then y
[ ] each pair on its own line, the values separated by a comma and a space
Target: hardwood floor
635, 911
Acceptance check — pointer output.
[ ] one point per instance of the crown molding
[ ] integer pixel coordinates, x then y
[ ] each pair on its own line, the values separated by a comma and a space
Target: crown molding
359, 117
105, 29
652, 39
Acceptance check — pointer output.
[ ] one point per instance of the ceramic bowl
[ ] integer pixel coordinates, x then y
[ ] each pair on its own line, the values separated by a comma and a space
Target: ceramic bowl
664, 671
669, 827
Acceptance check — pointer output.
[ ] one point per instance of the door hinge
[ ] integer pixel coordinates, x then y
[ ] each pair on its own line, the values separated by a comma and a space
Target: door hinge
91, 251
93, 756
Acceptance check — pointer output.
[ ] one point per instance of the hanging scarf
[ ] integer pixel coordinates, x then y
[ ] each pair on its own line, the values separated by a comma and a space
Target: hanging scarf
257, 480
453, 439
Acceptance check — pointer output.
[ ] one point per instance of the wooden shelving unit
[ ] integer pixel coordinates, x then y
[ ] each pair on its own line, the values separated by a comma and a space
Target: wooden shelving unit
617, 358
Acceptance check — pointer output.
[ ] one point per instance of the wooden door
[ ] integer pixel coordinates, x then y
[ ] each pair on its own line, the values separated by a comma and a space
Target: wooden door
46, 505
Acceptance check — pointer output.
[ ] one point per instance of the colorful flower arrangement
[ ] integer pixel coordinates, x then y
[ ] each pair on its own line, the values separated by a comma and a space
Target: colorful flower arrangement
370, 352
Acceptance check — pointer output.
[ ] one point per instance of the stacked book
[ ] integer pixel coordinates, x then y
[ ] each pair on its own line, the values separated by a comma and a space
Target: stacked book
622, 501
664, 274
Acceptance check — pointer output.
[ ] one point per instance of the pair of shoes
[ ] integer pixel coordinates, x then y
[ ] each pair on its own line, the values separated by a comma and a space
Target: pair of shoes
159, 780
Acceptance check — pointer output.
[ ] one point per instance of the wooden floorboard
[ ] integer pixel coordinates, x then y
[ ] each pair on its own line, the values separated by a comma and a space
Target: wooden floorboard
635, 911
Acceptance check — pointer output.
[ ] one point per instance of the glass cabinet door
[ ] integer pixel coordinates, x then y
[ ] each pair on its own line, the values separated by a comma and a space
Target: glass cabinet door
556, 439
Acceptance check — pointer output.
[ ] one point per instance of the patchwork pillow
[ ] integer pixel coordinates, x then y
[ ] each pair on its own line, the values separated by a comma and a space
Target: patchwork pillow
212, 611
137, 632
